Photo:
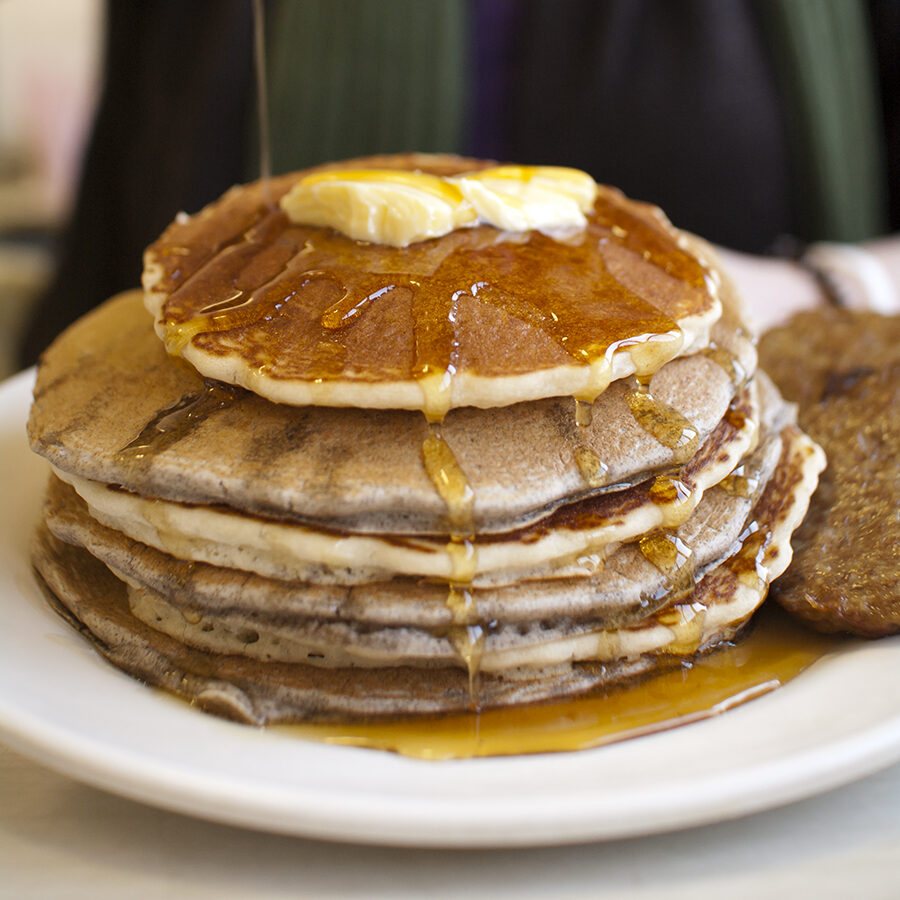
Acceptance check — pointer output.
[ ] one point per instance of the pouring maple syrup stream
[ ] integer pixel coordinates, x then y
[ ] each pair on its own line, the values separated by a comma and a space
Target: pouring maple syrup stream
262, 99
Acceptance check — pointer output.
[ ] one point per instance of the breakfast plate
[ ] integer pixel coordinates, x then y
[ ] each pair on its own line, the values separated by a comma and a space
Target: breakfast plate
61, 704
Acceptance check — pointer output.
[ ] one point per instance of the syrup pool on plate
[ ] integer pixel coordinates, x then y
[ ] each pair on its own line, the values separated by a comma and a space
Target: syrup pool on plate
773, 653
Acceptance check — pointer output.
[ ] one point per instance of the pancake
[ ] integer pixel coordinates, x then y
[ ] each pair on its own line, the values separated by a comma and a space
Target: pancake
255, 514
94, 602
266, 692
284, 550
479, 317
107, 382
532, 620
627, 587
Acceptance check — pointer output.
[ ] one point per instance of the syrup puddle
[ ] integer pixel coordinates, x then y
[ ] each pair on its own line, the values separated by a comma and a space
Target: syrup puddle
776, 651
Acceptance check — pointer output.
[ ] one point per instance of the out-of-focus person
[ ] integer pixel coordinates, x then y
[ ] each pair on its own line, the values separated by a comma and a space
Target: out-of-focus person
759, 124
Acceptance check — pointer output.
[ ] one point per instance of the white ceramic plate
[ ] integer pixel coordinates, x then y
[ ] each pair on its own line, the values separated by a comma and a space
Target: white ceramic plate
61, 704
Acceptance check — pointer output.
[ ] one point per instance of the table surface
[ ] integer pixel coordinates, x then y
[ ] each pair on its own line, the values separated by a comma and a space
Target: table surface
60, 838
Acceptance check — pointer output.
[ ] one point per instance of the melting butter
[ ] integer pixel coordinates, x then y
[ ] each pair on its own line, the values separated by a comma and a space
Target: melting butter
521, 198
395, 207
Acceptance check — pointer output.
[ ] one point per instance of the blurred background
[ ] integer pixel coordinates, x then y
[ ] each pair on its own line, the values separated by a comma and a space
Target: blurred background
50, 60
760, 124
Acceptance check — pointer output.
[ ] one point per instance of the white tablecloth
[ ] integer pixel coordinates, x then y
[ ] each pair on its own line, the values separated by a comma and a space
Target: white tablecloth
59, 838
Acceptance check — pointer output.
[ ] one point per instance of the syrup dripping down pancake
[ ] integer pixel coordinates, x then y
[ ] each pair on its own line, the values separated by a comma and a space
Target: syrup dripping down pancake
266, 692
229, 611
479, 317
110, 406
221, 536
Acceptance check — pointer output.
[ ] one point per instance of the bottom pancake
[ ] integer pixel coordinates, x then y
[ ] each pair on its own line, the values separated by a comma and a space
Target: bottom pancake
261, 692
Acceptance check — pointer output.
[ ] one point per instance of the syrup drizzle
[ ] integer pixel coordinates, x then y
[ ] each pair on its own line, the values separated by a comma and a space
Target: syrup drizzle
467, 634
262, 100
673, 497
246, 269
593, 470
748, 564
686, 621
729, 363
651, 241
584, 413
666, 424
176, 421
349, 307
745, 481
674, 559
450, 482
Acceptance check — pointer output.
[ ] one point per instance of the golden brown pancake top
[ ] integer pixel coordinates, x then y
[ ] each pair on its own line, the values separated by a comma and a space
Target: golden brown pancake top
302, 303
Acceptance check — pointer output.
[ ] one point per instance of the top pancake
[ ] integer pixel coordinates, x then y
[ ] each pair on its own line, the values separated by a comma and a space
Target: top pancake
479, 317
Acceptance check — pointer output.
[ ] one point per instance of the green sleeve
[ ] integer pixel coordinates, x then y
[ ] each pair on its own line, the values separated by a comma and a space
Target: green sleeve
350, 77
824, 59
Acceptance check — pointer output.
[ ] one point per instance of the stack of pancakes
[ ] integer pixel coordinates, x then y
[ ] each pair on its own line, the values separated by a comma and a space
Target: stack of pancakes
488, 469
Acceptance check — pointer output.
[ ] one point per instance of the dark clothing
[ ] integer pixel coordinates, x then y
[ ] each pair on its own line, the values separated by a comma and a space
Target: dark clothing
168, 135
672, 102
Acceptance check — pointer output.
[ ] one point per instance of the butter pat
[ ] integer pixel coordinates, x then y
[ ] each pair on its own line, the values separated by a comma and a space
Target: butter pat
382, 206
522, 198
401, 208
